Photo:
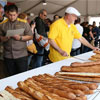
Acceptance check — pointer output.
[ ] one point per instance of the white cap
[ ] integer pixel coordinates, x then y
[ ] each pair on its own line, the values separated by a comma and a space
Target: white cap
71, 10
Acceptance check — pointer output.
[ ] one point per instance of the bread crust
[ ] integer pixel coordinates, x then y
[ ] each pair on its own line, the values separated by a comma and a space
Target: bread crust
93, 69
85, 64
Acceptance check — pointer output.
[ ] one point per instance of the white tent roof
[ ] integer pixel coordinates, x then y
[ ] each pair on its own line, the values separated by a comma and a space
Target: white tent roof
85, 7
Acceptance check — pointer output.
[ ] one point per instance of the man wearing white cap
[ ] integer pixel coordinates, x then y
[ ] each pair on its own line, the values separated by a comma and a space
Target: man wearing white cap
61, 35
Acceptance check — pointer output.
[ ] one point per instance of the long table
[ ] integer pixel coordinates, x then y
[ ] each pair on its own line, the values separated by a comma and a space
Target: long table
50, 69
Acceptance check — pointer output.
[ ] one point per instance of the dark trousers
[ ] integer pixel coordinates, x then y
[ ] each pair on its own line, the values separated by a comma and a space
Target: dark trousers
75, 52
15, 66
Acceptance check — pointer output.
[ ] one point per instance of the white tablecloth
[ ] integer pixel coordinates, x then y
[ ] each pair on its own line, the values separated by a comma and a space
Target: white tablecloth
51, 69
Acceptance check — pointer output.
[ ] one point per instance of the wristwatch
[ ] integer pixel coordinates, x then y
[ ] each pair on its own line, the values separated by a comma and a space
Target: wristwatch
21, 38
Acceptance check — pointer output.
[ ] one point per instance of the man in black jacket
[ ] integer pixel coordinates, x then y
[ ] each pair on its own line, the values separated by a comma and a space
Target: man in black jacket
41, 29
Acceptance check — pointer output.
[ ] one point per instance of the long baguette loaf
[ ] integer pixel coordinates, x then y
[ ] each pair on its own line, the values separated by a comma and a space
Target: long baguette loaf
94, 59
5, 95
87, 79
94, 69
96, 56
23, 93
96, 51
85, 64
82, 98
78, 74
18, 94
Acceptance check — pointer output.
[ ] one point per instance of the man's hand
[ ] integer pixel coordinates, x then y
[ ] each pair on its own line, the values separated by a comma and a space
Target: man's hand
4, 38
96, 48
56, 47
16, 37
63, 53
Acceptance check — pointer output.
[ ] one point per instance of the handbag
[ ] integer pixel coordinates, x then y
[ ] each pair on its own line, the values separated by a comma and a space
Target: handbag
42, 41
92, 42
32, 48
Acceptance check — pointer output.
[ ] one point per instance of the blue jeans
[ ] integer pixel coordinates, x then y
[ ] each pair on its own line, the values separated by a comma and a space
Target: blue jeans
29, 59
37, 60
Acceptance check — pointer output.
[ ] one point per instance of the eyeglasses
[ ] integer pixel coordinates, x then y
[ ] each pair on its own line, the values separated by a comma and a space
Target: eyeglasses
44, 15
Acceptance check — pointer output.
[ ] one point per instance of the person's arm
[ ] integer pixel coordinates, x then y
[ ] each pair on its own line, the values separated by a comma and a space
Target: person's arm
28, 35
86, 43
22, 38
91, 35
4, 38
56, 47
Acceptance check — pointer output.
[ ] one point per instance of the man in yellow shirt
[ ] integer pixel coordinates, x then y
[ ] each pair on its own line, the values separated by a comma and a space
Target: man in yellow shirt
61, 35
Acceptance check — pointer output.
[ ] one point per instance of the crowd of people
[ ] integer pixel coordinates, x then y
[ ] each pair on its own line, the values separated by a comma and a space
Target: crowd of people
60, 32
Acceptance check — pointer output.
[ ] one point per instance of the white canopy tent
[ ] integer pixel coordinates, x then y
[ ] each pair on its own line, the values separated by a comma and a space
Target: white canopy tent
86, 7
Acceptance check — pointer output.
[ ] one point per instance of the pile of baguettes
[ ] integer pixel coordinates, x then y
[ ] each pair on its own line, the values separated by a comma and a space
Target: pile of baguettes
86, 71
47, 87
95, 57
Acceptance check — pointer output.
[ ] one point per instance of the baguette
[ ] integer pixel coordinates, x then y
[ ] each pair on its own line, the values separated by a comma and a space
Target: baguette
78, 74
78, 86
94, 69
81, 98
96, 56
94, 59
5, 95
85, 64
23, 93
87, 79
18, 94
91, 86
96, 51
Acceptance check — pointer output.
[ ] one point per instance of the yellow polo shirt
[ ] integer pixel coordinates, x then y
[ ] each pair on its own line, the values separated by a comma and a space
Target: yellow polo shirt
63, 36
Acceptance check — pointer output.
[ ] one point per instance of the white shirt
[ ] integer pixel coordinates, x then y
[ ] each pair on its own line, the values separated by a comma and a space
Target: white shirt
76, 43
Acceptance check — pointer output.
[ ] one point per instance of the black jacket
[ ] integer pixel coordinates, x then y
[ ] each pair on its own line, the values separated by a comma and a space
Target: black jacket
40, 26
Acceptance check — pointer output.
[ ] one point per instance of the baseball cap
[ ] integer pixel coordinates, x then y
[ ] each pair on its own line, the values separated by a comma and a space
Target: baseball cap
72, 10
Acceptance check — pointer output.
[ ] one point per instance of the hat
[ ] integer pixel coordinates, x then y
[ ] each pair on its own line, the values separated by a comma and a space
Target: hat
71, 10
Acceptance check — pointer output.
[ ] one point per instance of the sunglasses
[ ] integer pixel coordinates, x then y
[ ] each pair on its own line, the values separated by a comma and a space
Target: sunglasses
44, 15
